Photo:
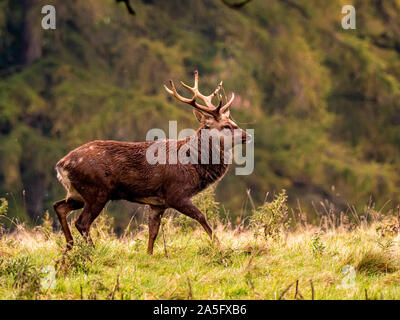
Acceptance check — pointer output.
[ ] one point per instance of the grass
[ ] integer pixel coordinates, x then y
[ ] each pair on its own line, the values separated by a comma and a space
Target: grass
340, 262
242, 268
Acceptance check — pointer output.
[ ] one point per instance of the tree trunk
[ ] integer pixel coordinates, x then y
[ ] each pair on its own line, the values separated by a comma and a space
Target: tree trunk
32, 32
34, 195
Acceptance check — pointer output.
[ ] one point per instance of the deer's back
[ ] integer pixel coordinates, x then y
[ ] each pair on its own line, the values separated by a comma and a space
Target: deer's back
117, 168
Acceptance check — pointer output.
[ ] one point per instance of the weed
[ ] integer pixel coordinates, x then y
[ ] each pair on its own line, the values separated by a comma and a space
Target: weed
239, 268
77, 260
3, 206
102, 227
47, 226
374, 262
316, 244
385, 245
223, 257
271, 218
389, 226
3, 211
26, 276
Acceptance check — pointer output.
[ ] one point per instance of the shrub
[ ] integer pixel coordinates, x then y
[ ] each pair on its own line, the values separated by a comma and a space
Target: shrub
316, 244
271, 217
77, 260
26, 276
3, 206
3, 211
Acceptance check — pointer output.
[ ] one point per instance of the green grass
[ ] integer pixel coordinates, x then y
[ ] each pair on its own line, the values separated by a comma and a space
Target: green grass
243, 267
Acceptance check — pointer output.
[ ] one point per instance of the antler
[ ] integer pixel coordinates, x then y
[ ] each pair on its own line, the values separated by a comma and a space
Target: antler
209, 108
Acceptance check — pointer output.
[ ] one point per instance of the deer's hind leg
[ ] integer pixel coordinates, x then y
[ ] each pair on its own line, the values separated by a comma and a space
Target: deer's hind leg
62, 208
89, 213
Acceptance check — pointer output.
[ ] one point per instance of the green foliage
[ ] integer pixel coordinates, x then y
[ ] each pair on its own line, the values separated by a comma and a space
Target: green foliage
323, 101
3, 206
47, 225
316, 244
80, 258
271, 218
237, 269
77, 260
218, 256
26, 276
3, 211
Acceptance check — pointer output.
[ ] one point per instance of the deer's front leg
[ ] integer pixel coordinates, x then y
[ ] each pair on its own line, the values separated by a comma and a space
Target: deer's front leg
154, 222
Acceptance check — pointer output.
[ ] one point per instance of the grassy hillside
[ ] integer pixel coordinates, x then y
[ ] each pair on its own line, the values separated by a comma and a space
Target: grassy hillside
339, 260
324, 102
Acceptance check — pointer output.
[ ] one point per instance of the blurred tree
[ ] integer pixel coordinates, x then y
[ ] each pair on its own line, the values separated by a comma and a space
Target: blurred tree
32, 33
128, 6
324, 102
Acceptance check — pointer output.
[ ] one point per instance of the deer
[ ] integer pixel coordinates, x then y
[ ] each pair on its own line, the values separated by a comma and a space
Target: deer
105, 170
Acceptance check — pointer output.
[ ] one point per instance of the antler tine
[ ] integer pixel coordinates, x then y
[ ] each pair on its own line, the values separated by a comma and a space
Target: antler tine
196, 80
188, 87
176, 94
216, 111
197, 94
219, 103
191, 101
208, 99
212, 95
195, 90
228, 104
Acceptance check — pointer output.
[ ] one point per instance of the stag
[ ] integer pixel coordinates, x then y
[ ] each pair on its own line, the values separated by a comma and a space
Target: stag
104, 170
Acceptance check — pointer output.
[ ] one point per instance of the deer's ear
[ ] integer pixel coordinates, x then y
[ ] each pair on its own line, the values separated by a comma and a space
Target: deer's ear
200, 116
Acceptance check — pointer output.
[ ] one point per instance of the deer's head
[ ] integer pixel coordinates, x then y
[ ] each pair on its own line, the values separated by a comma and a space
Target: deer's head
216, 118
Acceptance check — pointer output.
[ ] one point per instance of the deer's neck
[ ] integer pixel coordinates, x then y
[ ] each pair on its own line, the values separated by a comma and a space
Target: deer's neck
208, 172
